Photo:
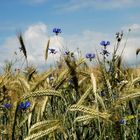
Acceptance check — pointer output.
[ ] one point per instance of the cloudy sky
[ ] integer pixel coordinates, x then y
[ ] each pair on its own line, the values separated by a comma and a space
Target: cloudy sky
84, 24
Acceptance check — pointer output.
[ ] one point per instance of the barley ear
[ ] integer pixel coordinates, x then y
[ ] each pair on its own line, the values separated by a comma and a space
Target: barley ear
47, 48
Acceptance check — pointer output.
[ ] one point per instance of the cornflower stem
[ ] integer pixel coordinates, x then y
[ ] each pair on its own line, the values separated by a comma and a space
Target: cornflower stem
113, 61
54, 60
60, 43
14, 121
117, 47
104, 58
137, 125
125, 43
124, 126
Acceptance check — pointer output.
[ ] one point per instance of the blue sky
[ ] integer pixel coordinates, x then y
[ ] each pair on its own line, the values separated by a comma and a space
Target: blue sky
102, 16
77, 18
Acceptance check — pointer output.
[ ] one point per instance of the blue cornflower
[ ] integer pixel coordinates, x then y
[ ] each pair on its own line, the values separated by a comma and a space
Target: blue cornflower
66, 52
105, 52
104, 43
53, 51
122, 121
115, 95
102, 93
90, 56
119, 36
70, 82
24, 105
8, 106
57, 31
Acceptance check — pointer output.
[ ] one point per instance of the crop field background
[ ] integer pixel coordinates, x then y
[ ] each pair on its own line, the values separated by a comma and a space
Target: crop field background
71, 100
70, 70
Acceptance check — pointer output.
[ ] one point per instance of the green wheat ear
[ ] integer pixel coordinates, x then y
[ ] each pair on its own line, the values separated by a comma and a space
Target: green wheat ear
47, 48
136, 81
43, 133
90, 111
42, 124
84, 96
129, 97
61, 79
41, 80
84, 118
25, 84
22, 48
43, 93
137, 51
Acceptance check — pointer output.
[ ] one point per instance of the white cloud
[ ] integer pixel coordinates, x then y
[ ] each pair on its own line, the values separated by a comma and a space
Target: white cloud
129, 55
132, 44
99, 4
89, 41
36, 37
135, 30
133, 27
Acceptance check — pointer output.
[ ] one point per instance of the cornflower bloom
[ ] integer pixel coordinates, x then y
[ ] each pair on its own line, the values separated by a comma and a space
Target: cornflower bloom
66, 52
53, 51
102, 93
104, 43
90, 56
57, 31
119, 36
8, 106
105, 52
122, 121
24, 105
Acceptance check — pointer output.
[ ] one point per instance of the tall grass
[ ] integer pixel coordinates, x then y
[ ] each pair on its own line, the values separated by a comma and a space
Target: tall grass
71, 102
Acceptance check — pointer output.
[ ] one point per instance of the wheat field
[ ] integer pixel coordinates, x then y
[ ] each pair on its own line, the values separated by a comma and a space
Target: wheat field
72, 100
